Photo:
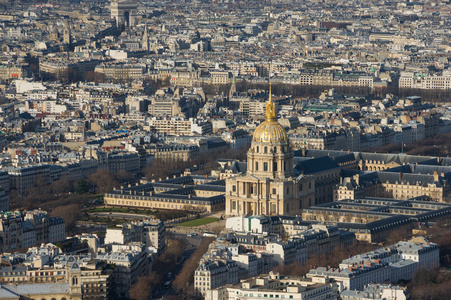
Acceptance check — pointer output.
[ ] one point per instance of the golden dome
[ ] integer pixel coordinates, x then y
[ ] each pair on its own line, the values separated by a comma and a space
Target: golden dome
270, 130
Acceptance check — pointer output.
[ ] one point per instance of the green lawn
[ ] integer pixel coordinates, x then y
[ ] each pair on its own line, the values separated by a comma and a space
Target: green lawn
198, 222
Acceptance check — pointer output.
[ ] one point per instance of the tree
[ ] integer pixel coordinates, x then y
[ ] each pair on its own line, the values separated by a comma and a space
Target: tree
82, 187
103, 180
143, 288
70, 213
186, 276
62, 185
122, 175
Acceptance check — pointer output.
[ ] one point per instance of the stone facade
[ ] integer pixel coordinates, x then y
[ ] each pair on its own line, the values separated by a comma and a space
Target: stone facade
269, 186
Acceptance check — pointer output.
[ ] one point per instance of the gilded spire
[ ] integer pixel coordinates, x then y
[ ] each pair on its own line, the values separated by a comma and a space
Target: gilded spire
270, 109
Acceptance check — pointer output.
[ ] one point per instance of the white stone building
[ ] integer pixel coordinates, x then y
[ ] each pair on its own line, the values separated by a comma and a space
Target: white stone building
276, 286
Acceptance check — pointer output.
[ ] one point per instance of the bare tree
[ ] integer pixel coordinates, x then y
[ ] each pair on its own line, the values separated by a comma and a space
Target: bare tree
142, 289
103, 180
186, 276
70, 213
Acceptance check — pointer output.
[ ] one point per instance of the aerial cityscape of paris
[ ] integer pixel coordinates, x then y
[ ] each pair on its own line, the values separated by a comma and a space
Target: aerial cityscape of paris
225, 150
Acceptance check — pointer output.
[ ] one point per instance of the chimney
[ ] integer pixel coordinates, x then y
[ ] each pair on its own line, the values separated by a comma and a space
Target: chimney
357, 179
435, 176
400, 177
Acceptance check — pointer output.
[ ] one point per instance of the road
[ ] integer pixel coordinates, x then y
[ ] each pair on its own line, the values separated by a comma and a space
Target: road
118, 215
193, 243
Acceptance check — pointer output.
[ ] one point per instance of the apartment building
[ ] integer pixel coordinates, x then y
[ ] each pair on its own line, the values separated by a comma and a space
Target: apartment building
276, 286
23, 178
121, 71
150, 233
129, 263
403, 258
219, 77
176, 152
356, 276
117, 161
25, 229
170, 107
411, 80
213, 274
4, 200
376, 292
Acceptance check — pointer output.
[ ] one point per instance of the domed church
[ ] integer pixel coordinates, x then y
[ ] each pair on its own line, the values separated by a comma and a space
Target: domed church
268, 187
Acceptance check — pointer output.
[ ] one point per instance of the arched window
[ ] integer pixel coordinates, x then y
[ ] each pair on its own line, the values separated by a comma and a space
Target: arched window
258, 149
275, 166
256, 166
74, 280
265, 166
275, 149
266, 149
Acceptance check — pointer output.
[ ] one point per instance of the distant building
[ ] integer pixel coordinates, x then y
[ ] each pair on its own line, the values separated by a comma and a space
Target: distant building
276, 286
22, 230
371, 224
377, 291
129, 263
198, 193
150, 233
393, 263
23, 178
269, 186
